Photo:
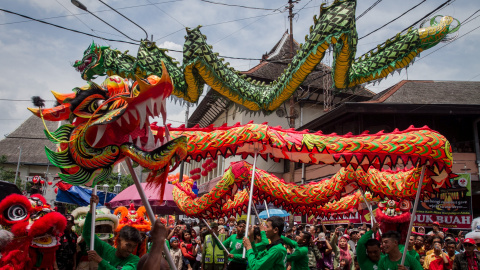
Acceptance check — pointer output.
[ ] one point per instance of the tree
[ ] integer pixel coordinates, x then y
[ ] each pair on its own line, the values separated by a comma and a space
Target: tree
6, 174
125, 181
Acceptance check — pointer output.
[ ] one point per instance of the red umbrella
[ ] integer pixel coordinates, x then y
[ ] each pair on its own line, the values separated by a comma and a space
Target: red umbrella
130, 195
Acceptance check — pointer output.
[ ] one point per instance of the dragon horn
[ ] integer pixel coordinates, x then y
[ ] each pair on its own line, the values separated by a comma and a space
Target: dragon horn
61, 112
62, 97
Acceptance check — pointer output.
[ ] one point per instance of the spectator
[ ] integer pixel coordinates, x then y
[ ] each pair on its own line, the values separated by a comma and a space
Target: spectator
354, 236
419, 242
187, 247
393, 256
411, 249
461, 237
197, 252
468, 260
450, 248
341, 250
437, 260
67, 252
436, 230
368, 250
176, 252
434, 239
323, 253
107, 256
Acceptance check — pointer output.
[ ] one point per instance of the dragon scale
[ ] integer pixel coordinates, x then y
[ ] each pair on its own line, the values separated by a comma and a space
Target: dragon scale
335, 27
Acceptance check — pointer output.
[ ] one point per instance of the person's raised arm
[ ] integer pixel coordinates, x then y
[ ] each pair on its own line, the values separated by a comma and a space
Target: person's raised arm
155, 257
361, 248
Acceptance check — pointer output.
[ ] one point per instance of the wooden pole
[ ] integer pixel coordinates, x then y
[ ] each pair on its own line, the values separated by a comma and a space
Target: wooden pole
216, 237
92, 225
250, 198
148, 207
417, 198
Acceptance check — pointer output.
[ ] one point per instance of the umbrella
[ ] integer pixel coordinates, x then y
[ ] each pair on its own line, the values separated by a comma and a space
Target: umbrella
274, 212
131, 195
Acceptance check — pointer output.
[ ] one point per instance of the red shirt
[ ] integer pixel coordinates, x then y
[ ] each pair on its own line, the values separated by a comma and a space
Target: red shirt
472, 262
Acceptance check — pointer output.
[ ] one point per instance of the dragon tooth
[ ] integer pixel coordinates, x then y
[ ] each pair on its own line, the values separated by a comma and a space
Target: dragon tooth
134, 114
119, 121
130, 140
151, 141
125, 117
151, 106
100, 131
158, 143
142, 112
139, 143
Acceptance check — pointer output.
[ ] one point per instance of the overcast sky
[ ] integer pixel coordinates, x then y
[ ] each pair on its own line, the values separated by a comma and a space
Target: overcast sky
36, 58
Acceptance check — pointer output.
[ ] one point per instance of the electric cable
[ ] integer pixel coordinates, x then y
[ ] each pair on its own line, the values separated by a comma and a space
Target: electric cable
146, 34
65, 28
240, 6
401, 15
368, 9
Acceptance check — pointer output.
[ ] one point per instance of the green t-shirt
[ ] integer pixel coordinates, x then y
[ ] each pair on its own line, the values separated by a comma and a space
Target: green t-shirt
110, 260
262, 245
363, 260
299, 257
274, 258
414, 254
410, 263
235, 247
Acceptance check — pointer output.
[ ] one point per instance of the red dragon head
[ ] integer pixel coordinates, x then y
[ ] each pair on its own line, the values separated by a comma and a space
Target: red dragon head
394, 216
109, 122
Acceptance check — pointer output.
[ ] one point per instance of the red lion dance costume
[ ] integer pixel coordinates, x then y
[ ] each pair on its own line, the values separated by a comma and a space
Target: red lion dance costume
35, 227
137, 219
394, 216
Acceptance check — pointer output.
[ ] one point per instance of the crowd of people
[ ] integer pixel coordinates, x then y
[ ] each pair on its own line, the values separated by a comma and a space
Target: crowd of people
230, 244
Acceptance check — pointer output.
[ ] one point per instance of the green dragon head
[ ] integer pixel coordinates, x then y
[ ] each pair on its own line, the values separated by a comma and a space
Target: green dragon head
92, 63
109, 122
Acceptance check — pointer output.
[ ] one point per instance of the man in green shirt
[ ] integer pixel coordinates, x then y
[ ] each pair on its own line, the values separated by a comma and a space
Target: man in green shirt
394, 257
235, 245
368, 250
108, 257
299, 257
274, 257
411, 250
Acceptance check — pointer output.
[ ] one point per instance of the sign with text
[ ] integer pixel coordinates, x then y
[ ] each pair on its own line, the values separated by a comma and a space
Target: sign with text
451, 207
354, 218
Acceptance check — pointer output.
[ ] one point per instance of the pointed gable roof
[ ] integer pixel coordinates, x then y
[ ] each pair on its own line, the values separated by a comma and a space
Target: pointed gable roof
30, 136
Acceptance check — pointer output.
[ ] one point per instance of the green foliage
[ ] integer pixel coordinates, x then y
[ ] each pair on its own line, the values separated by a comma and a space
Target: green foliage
6, 174
125, 181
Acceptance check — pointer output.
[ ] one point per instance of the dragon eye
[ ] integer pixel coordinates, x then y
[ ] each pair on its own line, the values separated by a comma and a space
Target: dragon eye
119, 215
16, 212
405, 205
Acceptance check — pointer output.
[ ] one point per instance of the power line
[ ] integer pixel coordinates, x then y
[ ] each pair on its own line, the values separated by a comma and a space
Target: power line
166, 13
98, 11
240, 6
401, 15
368, 9
65, 28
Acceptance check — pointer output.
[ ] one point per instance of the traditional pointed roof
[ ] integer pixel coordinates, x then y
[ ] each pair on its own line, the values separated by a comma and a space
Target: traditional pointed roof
31, 138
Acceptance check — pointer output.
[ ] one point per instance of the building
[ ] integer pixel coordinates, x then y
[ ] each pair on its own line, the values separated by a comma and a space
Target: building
29, 139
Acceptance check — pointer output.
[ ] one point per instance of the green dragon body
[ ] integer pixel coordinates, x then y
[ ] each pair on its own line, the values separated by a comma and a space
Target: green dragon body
334, 27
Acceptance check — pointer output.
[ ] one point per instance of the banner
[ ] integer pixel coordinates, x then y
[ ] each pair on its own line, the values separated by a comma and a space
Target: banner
451, 207
354, 218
